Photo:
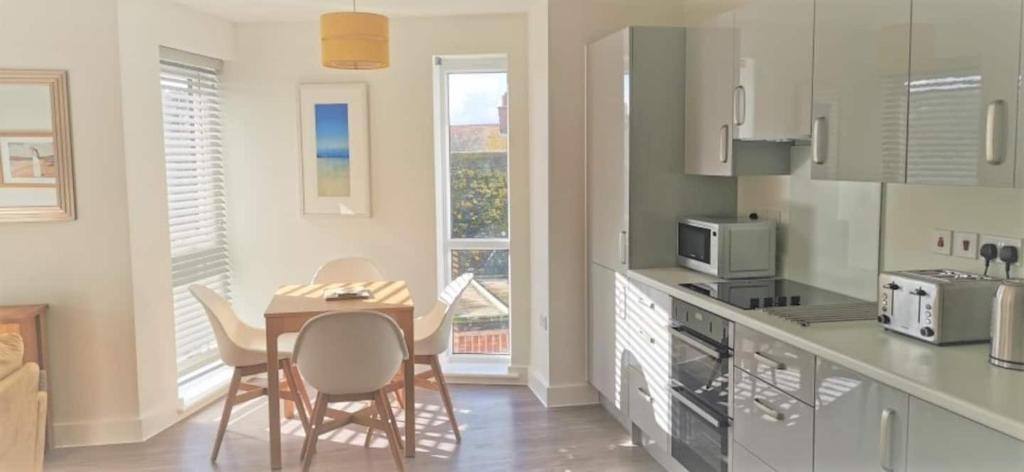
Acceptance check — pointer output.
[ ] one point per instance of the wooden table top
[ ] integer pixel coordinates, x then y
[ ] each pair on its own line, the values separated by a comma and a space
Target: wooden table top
20, 312
307, 299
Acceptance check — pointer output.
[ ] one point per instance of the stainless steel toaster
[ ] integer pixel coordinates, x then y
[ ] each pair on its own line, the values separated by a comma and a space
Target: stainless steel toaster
940, 306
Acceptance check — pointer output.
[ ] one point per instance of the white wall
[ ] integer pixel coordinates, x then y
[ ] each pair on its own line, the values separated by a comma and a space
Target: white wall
572, 24
273, 244
81, 268
143, 28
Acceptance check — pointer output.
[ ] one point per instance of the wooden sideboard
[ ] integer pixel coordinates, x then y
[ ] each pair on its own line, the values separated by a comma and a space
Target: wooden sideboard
29, 321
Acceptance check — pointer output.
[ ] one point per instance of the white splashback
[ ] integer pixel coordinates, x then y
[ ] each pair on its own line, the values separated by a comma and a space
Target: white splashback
912, 211
829, 231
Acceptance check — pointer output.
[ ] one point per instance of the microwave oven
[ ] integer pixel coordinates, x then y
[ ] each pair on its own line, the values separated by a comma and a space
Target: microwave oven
728, 248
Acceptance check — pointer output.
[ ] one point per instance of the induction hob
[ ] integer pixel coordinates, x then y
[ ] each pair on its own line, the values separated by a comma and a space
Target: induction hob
751, 294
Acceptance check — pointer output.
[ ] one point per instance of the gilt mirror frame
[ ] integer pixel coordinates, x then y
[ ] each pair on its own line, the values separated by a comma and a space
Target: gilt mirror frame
64, 210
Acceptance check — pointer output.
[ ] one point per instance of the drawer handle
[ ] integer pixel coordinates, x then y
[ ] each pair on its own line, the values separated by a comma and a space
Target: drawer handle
643, 394
767, 410
768, 360
885, 439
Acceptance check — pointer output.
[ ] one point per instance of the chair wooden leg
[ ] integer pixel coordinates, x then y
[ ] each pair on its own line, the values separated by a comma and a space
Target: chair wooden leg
446, 396
309, 447
396, 454
229, 401
295, 388
301, 386
400, 395
391, 419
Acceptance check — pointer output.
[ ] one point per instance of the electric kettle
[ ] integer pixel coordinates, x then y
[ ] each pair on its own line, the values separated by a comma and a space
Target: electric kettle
1008, 326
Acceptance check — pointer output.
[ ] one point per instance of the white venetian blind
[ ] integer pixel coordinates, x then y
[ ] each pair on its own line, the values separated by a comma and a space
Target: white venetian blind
196, 207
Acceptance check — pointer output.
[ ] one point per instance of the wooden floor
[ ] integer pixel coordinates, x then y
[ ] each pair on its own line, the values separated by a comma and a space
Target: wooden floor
504, 429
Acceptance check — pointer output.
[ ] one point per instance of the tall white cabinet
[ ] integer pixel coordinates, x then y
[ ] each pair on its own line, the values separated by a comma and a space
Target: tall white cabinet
636, 184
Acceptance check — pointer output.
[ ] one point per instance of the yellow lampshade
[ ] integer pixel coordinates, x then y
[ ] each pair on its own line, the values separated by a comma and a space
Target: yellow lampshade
352, 40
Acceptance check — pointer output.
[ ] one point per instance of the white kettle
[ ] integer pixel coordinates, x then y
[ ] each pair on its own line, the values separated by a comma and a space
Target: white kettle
1008, 326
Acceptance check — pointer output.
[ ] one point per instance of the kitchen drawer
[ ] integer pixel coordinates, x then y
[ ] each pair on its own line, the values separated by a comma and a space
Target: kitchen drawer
648, 338
744, 461
772, 425
778, 363
648, 408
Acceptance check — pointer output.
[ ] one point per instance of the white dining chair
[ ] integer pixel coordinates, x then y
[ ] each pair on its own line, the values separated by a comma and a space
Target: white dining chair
433, 332
243, 347
350, 357
347, 269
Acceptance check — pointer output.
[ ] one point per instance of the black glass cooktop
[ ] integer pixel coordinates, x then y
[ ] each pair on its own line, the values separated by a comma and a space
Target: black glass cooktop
751, 294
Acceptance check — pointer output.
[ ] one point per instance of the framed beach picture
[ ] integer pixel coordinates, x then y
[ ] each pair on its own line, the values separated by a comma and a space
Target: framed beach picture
335, 149
28, 160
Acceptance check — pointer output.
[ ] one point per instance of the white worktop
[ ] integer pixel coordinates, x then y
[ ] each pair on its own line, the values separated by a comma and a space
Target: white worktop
957, 378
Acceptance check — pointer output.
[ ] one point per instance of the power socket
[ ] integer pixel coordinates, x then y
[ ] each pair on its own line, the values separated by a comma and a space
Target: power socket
1001, 241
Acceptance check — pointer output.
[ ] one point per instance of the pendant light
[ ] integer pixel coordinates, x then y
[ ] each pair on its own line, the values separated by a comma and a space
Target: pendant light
354, 40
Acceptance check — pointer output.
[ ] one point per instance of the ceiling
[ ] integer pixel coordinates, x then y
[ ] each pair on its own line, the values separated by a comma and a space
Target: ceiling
249, 11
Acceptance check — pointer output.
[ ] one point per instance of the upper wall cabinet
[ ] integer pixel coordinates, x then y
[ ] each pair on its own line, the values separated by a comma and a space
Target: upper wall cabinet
859, 109
748, 88
963, 92
773, 69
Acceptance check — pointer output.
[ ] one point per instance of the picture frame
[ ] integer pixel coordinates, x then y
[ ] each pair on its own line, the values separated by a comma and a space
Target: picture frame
334, 121
28, 160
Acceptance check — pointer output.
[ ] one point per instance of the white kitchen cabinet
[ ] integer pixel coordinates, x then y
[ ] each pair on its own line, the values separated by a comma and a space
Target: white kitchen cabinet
745, 461
859, 103
774, 426
646, 410
963, 92
636, 184
942, 440
773, 69
728, 116
607, 151
648, 316
607, 298
859, 423
710, 82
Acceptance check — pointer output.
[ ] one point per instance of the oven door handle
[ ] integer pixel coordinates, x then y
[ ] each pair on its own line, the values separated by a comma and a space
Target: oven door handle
713, 418
687, 336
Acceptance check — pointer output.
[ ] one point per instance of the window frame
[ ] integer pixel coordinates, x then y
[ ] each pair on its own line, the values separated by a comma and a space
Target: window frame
195, 384
443, 67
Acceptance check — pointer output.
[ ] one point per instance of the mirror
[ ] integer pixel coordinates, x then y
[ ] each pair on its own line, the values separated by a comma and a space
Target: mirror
36, 182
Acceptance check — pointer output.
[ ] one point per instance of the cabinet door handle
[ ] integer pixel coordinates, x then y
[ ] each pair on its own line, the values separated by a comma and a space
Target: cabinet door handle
739, 100
768, 360
819, 140
885, 439
995, 133
723, 145
622, 247
767, 410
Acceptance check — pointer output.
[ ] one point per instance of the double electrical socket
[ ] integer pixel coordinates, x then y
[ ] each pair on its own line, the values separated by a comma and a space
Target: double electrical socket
966, 245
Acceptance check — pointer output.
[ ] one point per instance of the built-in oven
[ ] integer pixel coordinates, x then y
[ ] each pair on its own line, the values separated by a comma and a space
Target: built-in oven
701, 403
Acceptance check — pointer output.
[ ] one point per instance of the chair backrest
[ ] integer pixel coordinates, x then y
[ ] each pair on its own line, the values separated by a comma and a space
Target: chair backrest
342, 353
233, 335
347, 269
434, 330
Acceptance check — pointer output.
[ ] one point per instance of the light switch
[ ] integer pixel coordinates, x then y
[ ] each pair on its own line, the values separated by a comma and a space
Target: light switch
965, 245
942, 241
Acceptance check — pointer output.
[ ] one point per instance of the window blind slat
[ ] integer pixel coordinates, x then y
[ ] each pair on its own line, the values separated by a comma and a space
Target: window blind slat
197, 215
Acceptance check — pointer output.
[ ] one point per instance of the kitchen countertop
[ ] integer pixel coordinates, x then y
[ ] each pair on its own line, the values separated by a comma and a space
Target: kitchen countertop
957, 378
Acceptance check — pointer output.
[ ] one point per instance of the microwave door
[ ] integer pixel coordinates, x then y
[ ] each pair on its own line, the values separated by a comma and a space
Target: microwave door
695, 243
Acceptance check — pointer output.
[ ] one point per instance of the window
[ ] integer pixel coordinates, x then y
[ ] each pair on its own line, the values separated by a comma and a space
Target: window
195, 200
473, 206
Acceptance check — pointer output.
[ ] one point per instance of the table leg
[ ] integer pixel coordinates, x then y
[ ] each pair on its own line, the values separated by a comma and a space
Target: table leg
274, 395
409, 372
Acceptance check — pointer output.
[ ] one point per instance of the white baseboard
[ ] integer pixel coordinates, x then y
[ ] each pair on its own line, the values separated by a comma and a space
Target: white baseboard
97, 433
562, 395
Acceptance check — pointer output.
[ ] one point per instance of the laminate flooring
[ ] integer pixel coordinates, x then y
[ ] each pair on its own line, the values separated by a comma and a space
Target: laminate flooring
503, 429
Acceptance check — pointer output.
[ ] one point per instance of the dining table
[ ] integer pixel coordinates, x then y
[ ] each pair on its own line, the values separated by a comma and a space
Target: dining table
293, 305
